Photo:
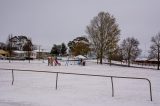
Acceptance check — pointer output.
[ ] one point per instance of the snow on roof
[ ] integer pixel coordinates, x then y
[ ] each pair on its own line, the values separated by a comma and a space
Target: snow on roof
41, 50
141, 59
80, 57
17, 51
154, 59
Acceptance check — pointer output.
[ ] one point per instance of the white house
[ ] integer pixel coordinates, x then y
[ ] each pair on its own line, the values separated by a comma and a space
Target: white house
23, 54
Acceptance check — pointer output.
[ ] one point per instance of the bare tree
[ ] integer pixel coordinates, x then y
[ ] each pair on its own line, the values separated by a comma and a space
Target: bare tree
155, 48
3, 46
103, 32
9, 46
130, 49
111, 51
28, 47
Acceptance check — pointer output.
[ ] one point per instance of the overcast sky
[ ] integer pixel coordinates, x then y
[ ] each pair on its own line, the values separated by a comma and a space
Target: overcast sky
50, 22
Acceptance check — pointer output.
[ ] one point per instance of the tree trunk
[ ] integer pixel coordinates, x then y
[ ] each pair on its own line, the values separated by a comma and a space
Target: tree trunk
9, 57
129, 59
128, 63
158, 59
110, 62
101, 55
110, 58
100, 59
29, 55
10, 48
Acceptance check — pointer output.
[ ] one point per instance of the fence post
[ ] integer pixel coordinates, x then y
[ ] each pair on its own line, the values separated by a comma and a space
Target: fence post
56, 80
150, 89
112, 87
12, 77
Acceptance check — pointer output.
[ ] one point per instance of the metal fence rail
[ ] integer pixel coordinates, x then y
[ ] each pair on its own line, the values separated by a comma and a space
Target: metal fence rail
57, 73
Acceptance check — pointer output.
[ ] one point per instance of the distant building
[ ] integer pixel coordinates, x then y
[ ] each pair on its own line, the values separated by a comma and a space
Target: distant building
35, 54
41, 54
24, 54
18, 42
146, 61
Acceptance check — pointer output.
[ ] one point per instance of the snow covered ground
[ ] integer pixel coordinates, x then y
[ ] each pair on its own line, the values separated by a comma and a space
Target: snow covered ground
38, 89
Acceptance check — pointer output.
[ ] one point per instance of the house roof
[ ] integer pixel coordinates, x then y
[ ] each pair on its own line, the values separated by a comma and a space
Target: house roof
41, 51
18, 51
142, 59
80, 57
154, 59
3, 52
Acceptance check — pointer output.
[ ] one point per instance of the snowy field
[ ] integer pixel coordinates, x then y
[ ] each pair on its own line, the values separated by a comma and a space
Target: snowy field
38, 89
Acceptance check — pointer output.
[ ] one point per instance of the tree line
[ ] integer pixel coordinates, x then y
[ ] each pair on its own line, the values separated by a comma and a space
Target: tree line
20, 43
103, 35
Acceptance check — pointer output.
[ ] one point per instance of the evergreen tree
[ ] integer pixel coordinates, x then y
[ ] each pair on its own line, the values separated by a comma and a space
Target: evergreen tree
79, 46
54, 50
63, 49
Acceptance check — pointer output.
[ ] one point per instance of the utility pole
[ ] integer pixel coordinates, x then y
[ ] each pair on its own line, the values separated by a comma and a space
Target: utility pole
158, 56
43, 55
10, 47
39, 52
